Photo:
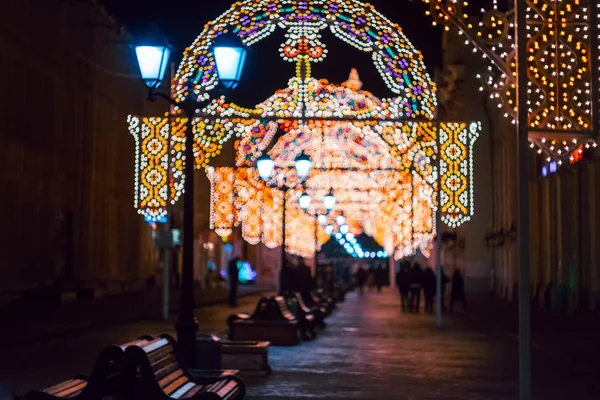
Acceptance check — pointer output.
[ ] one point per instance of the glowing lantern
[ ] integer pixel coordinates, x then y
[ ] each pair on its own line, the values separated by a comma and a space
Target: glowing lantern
304, 201
329, 200
230, 57
303, 165
265, 166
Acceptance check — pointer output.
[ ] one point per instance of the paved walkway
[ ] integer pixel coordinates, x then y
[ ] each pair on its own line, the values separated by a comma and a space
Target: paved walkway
370, 350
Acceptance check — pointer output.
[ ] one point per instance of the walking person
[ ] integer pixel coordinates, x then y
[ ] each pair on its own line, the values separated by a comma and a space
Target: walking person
416, 285
458, 290
233, 273
429, 289
371, 279
379, 277
361, 279
445, 281
402, 282
303, 282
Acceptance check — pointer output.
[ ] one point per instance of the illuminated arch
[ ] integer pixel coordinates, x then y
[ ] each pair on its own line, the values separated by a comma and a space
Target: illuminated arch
399, 131
358, 24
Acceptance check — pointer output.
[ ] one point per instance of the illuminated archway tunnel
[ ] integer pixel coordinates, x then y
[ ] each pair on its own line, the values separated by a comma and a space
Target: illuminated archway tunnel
383, 150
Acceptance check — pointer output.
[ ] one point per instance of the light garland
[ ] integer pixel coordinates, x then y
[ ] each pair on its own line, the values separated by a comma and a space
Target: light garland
456, 169
559, 67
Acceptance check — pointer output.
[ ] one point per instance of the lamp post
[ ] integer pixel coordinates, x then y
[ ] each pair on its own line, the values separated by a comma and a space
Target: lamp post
266, 166
153, 58
320, 219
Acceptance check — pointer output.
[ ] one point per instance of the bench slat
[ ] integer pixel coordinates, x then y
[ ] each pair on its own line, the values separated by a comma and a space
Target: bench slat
215, 386
166, 381
155, 344
229, 387
196, 389
72, 391
53, 390
178, 383
183, 390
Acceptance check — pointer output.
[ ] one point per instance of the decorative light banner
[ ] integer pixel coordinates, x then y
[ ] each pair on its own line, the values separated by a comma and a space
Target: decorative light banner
456, 168
151, 186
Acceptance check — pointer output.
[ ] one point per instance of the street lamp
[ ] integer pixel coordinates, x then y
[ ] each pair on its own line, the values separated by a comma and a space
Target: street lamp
329, 229
304, 201
230, 57
303, 165
329, 200
153, 58
340, 219
322, 218
266, 167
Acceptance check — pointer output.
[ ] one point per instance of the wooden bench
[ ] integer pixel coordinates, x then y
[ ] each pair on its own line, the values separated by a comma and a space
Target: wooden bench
271, 322
163, 375
307, 319
250, 358
107, 379
317, 307
324, 300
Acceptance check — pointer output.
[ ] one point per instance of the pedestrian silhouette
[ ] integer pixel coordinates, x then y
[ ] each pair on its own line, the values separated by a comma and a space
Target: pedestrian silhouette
458, 290
403, 282
286, 279
361, 279
371, 279
303, 282
416, 278
429, 289
379, 277
233, 273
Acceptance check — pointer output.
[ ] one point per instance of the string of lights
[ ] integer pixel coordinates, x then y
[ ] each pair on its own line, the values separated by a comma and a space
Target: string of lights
560, 67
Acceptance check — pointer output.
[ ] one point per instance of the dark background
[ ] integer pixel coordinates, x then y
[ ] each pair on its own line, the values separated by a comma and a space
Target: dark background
183, 20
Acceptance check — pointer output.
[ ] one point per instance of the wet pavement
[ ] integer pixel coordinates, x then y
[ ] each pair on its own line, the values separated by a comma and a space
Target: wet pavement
370, 350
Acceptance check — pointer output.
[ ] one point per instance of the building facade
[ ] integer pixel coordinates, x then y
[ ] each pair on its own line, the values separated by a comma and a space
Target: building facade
565, 273
69, 81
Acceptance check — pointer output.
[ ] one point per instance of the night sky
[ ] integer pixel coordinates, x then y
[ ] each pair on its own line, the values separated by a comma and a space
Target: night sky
181, 21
